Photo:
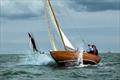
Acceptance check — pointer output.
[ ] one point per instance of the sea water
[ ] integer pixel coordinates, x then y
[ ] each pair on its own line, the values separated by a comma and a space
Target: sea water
36, 59
42, 67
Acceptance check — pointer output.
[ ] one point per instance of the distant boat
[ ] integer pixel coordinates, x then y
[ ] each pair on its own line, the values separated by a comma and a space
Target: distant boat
69, 56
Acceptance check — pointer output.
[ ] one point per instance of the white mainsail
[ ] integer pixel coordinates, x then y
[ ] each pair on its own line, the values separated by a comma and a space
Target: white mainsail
65, 39
52, 39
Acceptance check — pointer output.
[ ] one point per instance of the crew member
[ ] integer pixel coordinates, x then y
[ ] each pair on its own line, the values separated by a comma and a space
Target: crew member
90, 49
95, 51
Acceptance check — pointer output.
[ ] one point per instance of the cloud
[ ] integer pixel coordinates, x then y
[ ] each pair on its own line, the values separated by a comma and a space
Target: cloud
24, 9
20, 9
94, 5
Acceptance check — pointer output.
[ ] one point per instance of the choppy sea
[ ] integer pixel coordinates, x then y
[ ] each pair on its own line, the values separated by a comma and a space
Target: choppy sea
42, 67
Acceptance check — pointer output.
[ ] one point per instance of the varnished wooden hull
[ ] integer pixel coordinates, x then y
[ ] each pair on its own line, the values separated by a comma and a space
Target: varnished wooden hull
66, 58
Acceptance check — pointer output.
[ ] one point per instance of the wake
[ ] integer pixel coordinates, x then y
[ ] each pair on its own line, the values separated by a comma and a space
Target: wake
36, 59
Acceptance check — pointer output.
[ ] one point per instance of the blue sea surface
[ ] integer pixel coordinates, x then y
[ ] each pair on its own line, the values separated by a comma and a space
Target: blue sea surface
43, 67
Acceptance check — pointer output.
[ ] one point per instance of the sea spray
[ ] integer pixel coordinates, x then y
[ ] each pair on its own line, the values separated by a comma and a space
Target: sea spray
78, 60
36, 59
81, 58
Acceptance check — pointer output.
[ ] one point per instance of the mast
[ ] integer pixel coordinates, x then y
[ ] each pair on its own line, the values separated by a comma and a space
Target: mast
57, 24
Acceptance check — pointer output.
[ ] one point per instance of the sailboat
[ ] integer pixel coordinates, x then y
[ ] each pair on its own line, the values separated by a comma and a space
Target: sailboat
69, 56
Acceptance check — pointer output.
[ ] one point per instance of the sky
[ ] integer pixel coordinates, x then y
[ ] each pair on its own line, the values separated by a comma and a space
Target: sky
94, 21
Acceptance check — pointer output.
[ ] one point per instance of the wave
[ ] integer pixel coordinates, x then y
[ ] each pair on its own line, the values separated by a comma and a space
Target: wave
36, 59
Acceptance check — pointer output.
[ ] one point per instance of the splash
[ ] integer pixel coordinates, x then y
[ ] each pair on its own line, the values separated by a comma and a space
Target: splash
80, 58
36, 59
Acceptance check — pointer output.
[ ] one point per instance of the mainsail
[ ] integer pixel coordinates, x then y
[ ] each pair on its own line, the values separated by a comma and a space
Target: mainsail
52, 39
64, 39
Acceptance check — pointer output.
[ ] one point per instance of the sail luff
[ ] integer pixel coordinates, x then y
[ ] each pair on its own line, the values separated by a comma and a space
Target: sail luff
56, 22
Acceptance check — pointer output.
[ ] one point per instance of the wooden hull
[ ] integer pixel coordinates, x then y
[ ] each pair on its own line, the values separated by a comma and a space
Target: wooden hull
71, 58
